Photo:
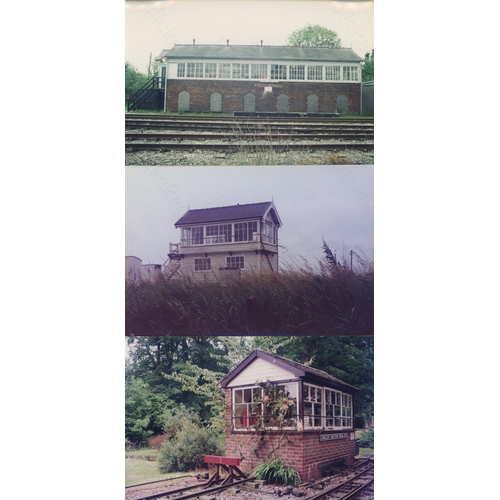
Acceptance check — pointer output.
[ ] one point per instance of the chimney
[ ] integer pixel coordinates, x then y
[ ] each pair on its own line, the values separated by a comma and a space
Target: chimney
194, 41
261, 42
227, 41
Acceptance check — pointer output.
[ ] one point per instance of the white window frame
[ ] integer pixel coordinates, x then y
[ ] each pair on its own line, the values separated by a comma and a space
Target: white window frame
245, 417
202, 264
345, 418
235, 262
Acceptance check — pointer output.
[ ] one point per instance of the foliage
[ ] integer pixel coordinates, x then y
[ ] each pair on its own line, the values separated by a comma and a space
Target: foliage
189, 441
279, 408
367, 439
368, 71
134, 80
297, 301
276, 471
314, 36
143, 411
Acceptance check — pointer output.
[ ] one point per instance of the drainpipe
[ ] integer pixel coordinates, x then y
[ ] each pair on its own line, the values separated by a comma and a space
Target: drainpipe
166, 78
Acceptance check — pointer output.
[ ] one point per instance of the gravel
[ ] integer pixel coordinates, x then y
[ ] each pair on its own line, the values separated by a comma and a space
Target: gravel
216, 158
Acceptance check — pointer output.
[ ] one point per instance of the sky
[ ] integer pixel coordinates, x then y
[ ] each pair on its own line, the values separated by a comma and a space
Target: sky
334, 202
151, 27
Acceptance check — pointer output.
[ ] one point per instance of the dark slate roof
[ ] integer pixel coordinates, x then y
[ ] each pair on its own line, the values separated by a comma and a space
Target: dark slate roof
299, 370
266, 53
234, 212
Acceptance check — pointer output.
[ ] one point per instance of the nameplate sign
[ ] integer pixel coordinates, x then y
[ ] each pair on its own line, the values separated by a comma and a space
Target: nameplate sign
332, 437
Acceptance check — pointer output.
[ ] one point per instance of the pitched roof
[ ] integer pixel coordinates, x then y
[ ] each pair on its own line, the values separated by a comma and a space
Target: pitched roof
299, 370
230, 213
267, 53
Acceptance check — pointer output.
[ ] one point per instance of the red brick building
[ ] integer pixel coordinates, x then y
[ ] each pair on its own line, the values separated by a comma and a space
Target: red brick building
277, 407
252, 78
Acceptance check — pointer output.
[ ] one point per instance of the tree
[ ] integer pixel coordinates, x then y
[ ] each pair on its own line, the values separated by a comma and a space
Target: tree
314, 36
134, 80
368, 70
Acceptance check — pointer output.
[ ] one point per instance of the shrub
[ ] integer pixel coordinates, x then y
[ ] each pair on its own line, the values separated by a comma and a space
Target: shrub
367, 439
156, 441
188, 443
276, 471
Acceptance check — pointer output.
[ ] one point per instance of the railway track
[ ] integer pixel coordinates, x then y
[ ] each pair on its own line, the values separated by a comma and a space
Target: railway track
155, 132
344, 484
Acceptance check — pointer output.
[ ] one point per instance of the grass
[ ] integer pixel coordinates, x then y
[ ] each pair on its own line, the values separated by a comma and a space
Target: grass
291, 302
363, 452
143, 454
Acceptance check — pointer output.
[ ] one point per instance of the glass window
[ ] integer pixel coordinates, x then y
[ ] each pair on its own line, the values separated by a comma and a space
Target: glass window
194, 70
297, 72
224, 70
235, 262
245, 412
259, 71
241, 232
332, 73
203, 264
241, 70
350, 73
278, 72
181, 70
210, 70
315, 72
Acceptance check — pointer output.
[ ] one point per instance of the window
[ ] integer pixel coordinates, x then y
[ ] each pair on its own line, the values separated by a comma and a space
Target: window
268, 232
225, 70
297, 72
244, 412
259, 71
278, 72
181, 70
235, 262
210, 70
315, 72
203, 264
350, 74
332, 73
192, 236
273, 405
312, 405
194, 70
218, 234
245, 231
240, 70
333, 405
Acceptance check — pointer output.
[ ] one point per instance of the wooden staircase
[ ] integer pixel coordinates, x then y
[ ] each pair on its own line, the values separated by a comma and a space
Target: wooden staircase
171, 267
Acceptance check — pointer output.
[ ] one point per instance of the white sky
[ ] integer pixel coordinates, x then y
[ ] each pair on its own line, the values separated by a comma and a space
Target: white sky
151, 27
334, 202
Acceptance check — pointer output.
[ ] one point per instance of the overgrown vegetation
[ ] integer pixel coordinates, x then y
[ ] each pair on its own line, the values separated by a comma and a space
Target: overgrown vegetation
188, 442
367, 439
300, 301
276, 471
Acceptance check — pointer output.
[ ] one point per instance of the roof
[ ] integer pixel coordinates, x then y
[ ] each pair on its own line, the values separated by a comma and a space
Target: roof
299, 370
230, 213
265, 53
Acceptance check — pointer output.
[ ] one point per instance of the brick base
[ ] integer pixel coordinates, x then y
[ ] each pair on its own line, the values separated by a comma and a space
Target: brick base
233, 91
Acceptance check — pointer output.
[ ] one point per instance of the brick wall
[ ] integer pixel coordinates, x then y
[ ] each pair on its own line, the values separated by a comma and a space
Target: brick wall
301, 450
233, 91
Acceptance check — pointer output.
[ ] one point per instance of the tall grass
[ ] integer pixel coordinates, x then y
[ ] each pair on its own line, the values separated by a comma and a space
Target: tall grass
294, 301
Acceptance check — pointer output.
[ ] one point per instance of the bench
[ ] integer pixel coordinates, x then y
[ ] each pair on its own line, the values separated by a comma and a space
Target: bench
229, 464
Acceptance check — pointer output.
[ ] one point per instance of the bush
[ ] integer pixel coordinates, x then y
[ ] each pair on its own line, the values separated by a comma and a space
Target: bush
276, 471
188, 443
367, 439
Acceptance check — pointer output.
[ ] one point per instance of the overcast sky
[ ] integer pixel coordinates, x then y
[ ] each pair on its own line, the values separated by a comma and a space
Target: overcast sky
151, 27
334, 202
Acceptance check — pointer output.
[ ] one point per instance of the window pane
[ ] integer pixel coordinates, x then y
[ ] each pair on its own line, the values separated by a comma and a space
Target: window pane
210, 70
259, 71
224, 70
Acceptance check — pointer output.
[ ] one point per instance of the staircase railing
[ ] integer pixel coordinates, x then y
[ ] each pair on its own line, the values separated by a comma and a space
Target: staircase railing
145, 92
